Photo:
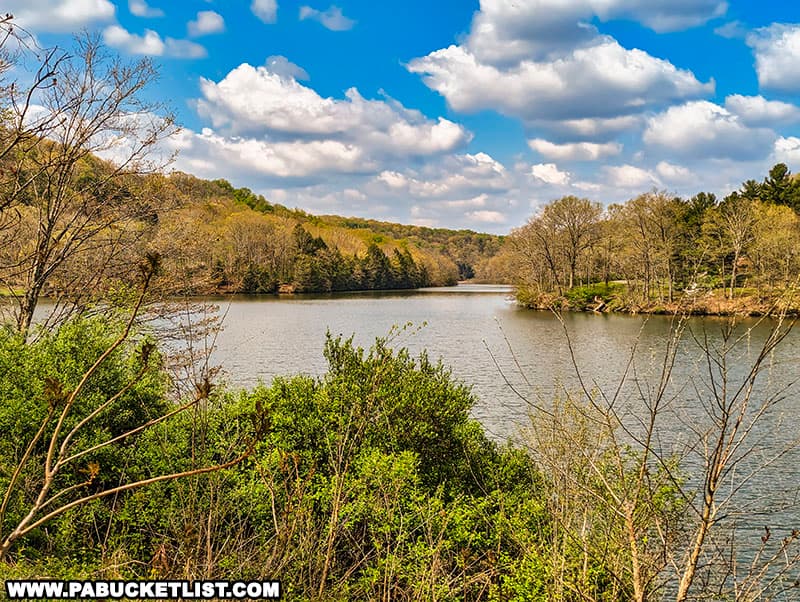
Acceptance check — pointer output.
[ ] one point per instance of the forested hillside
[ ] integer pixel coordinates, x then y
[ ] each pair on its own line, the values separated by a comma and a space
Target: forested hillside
213, 238
224, 239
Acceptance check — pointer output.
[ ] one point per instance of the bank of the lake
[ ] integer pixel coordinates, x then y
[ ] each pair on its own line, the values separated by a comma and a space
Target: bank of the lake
613, 298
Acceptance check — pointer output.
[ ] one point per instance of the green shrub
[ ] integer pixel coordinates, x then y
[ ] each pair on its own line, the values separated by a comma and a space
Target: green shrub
371, 482
582, 296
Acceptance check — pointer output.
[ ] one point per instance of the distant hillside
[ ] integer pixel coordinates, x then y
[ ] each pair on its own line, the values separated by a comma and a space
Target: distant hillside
215, 238
468, 249
218, 238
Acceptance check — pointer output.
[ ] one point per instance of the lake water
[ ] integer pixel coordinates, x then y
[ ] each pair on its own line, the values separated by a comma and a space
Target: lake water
479, 332
516, 359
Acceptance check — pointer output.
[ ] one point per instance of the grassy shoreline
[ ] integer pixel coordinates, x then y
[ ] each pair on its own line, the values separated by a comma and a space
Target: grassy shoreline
614, 298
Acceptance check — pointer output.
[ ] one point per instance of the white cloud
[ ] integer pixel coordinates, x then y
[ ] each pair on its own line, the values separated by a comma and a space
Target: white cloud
486, 217
266, 10
758, 111
675, 174
664, 16
458, 211
270, 129
630, 177
476, 201
602, 80
588, 128
332, 18
280, 65
575, 151
550, 174
59, 15
703, 129
505, 32
787, 150
452, 175
183, 49
576, 90
254, 101
140, 8
209, 154
588, 186
207, 22
151, 44
732, 30
777, 52
393, 179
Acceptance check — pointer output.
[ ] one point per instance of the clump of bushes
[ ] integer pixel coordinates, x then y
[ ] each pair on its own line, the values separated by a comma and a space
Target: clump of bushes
371, 482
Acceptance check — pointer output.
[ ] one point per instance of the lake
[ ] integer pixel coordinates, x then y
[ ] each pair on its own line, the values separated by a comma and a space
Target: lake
515, 359
479, 332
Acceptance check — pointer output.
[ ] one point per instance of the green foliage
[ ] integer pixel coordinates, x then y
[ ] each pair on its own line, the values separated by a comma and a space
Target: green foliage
37, 377
369, 483
590, 294
258, 280
668, 253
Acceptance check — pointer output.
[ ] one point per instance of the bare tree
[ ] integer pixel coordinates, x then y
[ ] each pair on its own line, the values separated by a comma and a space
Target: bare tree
734, 221
77, 214
659, 513
560, 237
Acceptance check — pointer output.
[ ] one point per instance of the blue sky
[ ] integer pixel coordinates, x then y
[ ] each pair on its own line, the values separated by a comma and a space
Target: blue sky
459, 113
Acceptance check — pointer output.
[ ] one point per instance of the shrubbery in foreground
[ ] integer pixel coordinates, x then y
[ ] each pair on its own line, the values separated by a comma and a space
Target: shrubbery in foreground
371, 482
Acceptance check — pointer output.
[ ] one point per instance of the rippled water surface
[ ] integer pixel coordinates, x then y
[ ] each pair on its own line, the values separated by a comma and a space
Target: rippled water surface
515, 359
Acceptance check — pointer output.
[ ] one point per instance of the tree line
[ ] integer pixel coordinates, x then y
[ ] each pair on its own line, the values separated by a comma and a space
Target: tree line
319, 267
658, 249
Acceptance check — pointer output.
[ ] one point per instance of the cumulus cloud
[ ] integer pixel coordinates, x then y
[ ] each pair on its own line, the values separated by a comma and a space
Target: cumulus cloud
665, 16
481, 219
630, 177
206, 154
486, 217
467, 191
270, 129
732, 30
476, 201
674, 174
758, 111
59, 15
254, 101
596, 129
787, 150
452, 175
545, 63
550, 174
140, 8
702, 129
266, 10
206, 22
283, 67
603, 80
151, 44
332, 18
777, 52
506, 32
574, 151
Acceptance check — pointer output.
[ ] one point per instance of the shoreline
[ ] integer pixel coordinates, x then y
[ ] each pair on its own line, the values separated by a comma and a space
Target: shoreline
710, 305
